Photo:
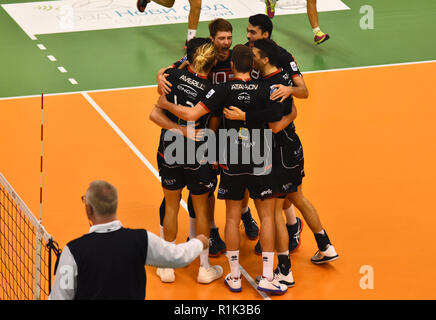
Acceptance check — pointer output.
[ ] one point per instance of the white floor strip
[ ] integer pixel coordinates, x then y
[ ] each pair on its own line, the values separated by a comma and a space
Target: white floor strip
253, 283
154, 85
41, 46
73, 81
62, 69
51, 58
127, 141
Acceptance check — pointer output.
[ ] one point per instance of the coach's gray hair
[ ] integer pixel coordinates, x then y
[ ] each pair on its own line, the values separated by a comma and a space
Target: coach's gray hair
102, 197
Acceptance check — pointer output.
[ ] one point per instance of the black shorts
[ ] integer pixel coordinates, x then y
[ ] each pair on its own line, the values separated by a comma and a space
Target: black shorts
232, 187
288, 166
199, 180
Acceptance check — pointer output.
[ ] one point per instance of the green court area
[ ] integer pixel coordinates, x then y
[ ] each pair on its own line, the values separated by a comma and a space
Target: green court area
129, 57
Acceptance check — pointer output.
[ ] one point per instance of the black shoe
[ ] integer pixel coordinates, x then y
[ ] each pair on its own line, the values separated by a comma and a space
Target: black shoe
251, 228
257, 248
216, 244
294, 232
142, 4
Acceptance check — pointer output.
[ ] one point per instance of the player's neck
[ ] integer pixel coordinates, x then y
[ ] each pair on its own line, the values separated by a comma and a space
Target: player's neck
268, 69
242, 76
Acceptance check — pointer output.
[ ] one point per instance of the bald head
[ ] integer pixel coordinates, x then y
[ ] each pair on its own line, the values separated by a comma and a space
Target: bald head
103, 198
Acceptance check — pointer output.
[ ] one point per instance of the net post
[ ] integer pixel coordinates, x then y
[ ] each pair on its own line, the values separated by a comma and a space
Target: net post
37, 285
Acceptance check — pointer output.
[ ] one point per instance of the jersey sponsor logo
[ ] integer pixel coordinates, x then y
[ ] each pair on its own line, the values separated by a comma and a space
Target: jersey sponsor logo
210, 93
240, 86
192, 82
170, 182
287, 186
266, 192
294, 66
222, 191
191, 92
244, 96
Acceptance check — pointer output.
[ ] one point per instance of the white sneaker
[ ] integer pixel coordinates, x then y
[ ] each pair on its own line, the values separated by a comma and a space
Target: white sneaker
234, 284
274, 286
325, 256
287, 280
166, 274
209, 275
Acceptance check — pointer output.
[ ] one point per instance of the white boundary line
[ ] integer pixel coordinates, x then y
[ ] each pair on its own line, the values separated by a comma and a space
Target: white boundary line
253, 283
154, 85
126, 140
154, 171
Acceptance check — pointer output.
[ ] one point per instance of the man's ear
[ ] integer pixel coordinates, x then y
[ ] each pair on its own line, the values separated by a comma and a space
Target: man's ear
89, 211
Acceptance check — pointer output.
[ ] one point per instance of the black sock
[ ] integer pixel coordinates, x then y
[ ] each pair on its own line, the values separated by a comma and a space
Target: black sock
322, 240
284, 263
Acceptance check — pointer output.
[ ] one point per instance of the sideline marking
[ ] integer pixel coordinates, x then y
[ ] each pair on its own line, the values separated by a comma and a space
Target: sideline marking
126, 140
154, 85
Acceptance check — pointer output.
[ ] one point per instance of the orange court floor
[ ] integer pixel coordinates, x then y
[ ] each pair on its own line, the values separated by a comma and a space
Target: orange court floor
369, 142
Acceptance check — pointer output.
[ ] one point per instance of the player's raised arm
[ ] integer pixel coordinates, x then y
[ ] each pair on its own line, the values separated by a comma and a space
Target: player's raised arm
160, 118
182, 112
285, 121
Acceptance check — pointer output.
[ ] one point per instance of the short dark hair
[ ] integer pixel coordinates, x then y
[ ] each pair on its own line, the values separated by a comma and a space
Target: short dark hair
263, 22
193, 45
219, 24
268, 48
242, 58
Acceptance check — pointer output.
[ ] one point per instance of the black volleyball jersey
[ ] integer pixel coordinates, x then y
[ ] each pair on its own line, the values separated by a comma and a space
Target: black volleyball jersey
242, 137
222, 71
188, 89
282, 77
286, 61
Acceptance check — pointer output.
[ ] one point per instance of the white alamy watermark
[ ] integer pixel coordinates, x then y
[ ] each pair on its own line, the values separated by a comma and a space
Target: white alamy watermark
367, 280
229, 146
367, 20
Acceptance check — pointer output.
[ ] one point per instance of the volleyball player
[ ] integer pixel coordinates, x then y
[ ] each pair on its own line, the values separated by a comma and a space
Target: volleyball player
312, 14
190, 87
193, 18
220, 34
261, 27
288, 158
237, 177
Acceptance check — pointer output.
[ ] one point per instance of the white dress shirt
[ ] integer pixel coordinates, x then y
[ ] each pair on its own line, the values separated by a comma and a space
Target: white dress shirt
160, 253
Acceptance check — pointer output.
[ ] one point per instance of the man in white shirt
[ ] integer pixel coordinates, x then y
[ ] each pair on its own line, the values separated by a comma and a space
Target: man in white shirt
108, 262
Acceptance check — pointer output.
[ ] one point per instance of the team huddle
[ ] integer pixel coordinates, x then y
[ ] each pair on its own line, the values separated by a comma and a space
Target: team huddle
227, 126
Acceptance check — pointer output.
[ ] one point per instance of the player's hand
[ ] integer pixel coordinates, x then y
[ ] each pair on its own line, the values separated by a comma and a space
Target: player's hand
190, 132
282, 92
163, 84
162, 102
184, 64
204, 240
234, 113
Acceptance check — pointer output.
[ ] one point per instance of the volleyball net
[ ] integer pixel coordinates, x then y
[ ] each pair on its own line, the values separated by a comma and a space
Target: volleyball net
28, 254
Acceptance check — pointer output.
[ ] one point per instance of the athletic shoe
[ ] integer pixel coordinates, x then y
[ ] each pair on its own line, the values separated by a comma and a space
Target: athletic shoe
235, 285
287, 280
216, 244
251, 228
258, 248
142, 4
273, 287
270, 8
321, 37
328, 255
166, 274
294, 232
209, 275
